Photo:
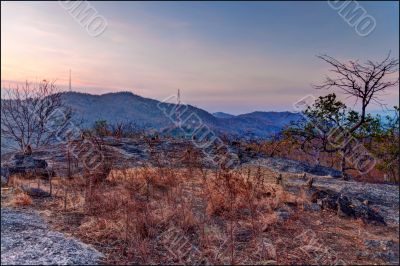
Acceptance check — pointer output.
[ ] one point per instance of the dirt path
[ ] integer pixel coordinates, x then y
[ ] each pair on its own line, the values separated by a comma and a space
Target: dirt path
26, 239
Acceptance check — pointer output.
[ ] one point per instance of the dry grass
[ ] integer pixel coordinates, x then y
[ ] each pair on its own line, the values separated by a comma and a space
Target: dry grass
21, 199
145, 215
131, 211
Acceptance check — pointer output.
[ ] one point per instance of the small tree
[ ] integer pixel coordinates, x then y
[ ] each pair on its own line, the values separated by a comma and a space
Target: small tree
101, 128
363, 82
32, 116
386, 148
314, 134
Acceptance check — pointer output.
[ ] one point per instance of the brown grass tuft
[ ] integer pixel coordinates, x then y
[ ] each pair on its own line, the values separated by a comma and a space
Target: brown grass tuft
22, 199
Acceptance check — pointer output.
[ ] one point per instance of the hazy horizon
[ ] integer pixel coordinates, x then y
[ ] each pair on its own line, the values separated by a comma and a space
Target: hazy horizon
224, 57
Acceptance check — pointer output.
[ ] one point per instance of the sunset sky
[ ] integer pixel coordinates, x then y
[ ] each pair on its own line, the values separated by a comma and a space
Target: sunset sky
234, 57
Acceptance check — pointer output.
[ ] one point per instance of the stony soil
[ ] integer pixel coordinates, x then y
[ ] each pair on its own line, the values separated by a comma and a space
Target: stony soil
26, 239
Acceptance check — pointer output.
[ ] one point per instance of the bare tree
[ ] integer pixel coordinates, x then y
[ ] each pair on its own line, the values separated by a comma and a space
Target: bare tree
364, 82
33, 115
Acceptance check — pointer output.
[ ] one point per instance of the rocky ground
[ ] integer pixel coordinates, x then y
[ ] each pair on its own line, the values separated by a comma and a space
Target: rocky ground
382, 199
295, 167
26, 239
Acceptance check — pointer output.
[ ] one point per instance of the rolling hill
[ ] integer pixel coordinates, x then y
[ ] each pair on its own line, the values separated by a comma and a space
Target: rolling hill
152, 114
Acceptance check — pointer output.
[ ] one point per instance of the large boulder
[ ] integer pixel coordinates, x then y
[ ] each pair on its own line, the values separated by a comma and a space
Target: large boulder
28, 162
326, 199
24, 164
35, 192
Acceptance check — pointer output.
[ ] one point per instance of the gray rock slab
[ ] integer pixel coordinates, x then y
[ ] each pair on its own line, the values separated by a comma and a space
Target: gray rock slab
26, 239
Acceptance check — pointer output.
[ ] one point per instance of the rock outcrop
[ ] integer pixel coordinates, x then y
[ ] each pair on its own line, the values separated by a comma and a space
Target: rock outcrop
24, 164
26, 239
295, 167
369, 202
347, 206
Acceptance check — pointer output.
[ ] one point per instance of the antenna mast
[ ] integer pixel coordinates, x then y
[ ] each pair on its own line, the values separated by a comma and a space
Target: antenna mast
178, 109
70, 88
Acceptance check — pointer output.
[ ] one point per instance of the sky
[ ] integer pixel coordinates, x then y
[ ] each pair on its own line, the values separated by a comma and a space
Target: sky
234, 57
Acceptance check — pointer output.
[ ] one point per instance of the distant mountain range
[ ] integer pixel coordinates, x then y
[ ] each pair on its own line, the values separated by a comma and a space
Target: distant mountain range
222, 115
152, 114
